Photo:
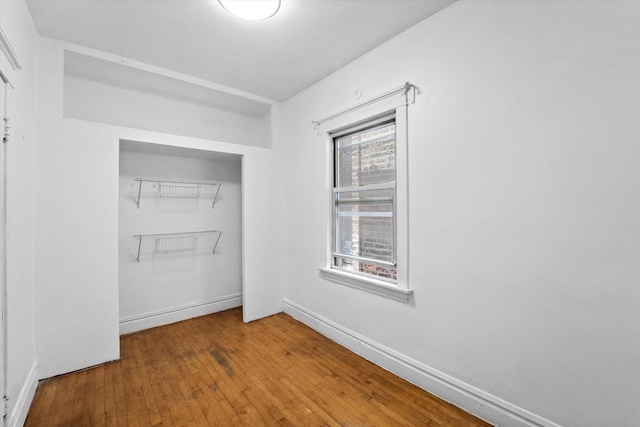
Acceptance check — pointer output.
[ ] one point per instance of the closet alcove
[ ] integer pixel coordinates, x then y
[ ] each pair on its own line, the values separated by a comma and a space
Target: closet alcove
180, 222
180, 246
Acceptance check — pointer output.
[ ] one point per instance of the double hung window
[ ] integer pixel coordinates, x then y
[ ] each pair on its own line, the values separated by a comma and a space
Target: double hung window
367, 205
364, 199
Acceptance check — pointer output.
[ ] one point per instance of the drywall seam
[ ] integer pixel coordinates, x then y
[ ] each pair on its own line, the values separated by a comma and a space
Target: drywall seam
19, 414
471, 399
176, 314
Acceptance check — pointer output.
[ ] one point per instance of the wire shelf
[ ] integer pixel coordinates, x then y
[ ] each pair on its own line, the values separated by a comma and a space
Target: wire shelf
179, 188
171, 244
178, 191
168, 243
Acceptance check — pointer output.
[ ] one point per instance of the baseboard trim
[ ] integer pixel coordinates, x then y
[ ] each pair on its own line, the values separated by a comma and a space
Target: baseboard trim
19, 411
467, 397
177, 314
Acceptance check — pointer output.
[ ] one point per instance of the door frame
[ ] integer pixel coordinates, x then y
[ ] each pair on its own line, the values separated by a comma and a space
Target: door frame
11, 65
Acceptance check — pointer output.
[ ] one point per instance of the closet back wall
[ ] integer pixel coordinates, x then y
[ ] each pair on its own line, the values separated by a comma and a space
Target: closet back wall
167, 287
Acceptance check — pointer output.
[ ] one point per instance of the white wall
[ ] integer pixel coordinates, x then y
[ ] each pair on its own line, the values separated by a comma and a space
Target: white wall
524, 201
77, 226
17, 25
163, 288
112, 93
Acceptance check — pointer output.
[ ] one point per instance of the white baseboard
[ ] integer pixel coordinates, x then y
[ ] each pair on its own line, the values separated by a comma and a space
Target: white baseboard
467, 397
18, 412
176, 314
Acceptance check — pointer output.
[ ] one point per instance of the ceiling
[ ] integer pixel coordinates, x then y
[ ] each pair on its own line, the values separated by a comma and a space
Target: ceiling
277, 58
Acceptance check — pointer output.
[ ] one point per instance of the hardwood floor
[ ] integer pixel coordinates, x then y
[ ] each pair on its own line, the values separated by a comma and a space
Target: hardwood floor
217, 371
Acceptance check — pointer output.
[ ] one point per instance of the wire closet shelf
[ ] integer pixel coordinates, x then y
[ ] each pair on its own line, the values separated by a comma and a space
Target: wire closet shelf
179, 188
169, 243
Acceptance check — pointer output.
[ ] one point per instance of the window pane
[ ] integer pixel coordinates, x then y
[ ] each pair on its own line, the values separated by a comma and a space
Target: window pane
367, 157
364, 224
367, 268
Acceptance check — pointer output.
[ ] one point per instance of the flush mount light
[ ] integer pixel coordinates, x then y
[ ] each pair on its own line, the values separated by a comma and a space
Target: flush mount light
251, 9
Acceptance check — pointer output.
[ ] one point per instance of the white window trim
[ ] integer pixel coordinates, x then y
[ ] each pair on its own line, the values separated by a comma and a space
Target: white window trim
400, 290
368, 284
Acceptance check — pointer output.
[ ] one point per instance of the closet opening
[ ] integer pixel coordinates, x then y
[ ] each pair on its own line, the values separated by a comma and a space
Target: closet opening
180, 234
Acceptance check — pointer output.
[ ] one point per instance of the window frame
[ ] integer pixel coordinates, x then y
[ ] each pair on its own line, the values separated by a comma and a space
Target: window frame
336, 190
363, 118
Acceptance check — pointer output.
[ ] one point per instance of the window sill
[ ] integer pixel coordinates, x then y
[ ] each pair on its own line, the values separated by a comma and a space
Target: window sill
373, 286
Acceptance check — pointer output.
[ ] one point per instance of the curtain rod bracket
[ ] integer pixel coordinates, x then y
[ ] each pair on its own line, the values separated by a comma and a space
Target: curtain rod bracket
408, 90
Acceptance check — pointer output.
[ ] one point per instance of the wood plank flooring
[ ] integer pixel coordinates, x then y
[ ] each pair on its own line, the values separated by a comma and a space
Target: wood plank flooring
217, 371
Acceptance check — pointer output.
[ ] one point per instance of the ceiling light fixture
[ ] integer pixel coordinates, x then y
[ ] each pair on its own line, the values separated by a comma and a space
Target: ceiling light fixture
251, 9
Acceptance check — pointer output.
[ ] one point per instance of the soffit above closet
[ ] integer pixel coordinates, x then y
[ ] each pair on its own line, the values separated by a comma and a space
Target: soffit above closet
118, 75
111, 93
306, 41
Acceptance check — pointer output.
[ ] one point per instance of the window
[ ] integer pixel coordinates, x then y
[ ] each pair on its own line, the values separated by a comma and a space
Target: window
366, 209
364, 199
